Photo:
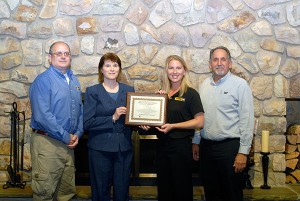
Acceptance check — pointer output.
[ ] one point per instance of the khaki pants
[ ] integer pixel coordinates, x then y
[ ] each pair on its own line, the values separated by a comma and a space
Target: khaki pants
53, 171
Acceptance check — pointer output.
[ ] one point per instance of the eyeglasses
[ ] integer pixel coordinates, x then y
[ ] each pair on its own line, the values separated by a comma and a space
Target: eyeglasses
60, 54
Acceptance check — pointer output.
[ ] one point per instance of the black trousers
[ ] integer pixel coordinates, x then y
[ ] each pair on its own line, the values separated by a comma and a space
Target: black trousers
174, 170
220, 181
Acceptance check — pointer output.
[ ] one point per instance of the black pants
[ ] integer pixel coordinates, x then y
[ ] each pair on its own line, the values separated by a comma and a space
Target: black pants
220, 181
174, 170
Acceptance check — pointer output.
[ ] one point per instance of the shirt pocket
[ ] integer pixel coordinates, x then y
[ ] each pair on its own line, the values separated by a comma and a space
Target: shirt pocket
226, 103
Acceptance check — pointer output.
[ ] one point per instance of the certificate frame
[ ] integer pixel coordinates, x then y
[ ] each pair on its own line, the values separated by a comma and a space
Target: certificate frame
146, 109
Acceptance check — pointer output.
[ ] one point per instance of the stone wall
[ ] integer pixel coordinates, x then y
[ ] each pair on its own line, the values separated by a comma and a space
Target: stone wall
263, 37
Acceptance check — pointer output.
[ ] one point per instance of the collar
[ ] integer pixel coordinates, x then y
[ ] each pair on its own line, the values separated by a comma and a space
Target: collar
68, 72
220, 81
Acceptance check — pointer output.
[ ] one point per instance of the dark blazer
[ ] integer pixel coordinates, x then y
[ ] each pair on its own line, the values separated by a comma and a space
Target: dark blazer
103, 133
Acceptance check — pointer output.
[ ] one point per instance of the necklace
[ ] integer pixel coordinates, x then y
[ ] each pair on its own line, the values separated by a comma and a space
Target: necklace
113, 88
172, 92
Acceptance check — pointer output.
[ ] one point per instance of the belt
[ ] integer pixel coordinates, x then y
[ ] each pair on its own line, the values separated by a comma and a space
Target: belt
220, 141
39, 132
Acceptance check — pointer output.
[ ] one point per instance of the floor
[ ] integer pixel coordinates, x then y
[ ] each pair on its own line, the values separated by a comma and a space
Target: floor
30, 199
143, 193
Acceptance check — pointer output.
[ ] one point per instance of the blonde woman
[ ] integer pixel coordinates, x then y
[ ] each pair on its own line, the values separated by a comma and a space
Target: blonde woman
174, 150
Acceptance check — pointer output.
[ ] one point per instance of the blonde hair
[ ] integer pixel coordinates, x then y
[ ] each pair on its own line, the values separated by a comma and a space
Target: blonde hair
185, 83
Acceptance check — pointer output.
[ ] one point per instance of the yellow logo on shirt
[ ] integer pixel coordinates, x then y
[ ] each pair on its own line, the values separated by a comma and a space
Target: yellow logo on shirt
180, 99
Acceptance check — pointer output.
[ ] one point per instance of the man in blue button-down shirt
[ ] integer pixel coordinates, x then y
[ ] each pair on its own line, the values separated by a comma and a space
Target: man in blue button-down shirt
226, 138
57, 123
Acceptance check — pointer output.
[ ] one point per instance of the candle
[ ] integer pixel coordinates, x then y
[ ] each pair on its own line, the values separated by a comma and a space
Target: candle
265, 141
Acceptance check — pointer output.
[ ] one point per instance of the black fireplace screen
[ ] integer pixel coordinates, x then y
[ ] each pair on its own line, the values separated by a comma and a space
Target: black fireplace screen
143, 163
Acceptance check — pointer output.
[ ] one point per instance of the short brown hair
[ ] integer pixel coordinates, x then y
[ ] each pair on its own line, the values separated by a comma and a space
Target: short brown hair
108, 56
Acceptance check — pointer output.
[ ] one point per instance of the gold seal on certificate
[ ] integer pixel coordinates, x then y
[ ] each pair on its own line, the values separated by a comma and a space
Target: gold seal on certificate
146, 109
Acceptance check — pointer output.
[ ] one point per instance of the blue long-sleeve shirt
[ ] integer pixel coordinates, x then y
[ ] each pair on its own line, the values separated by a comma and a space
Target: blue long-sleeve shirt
229, 113
56, 105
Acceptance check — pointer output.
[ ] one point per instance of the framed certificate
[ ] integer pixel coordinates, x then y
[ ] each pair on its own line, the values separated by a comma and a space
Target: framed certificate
146, 109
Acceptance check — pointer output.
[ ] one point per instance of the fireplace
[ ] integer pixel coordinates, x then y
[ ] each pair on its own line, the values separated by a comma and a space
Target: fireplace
82, 162
292, 147
143, 163
144, 155
292, 111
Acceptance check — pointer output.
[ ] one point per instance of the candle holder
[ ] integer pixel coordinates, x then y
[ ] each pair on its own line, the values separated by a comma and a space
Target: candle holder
265, 166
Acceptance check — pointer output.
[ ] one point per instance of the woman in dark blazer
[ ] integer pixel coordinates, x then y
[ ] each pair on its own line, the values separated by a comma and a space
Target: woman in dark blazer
109, 139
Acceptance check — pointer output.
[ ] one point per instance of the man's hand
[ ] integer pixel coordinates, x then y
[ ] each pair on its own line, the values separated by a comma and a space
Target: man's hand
195, 149
73, 141
240, 162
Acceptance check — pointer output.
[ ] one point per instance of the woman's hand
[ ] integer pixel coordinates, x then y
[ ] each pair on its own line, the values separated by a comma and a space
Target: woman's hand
160, 92
165, 128
119, 111
144, 127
